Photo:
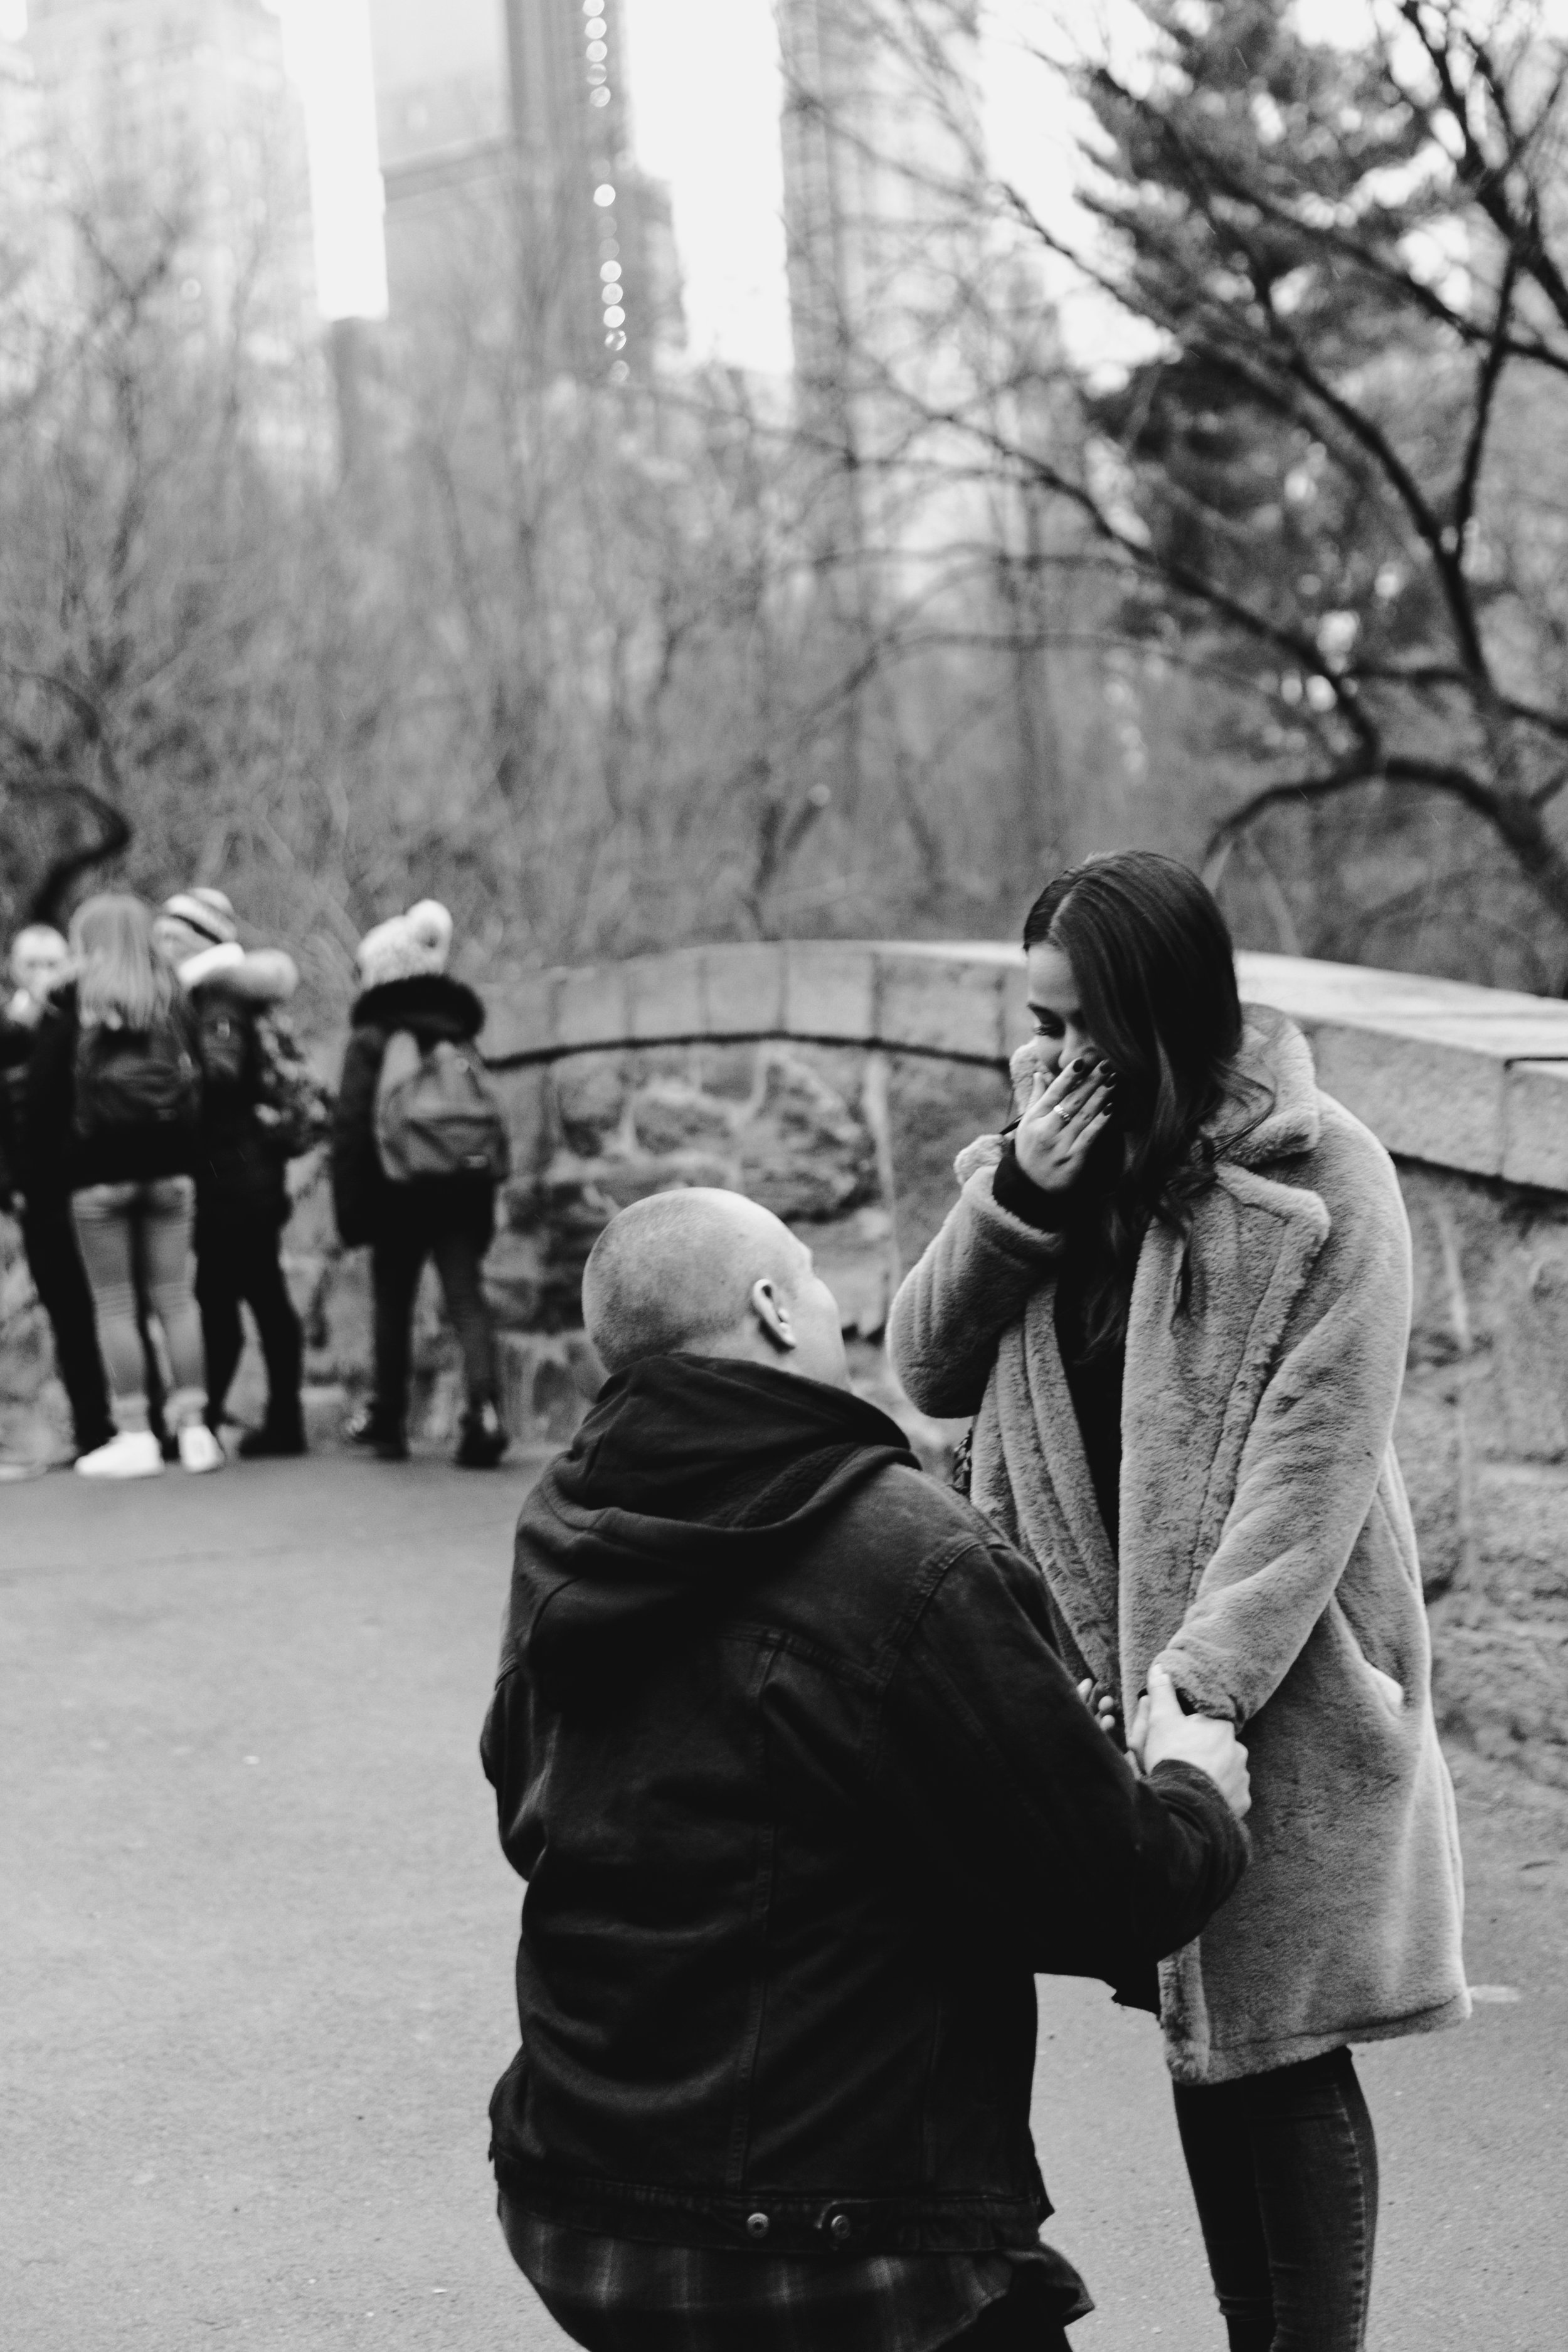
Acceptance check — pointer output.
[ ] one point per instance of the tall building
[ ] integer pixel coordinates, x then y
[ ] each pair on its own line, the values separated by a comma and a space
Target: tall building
172, 123
880, 135
28, 257
503, 125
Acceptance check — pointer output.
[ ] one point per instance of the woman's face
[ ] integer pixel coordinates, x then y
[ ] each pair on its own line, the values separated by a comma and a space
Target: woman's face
1059, 1030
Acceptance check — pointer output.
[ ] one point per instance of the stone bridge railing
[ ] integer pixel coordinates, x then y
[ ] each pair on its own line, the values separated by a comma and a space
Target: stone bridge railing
1473, 1079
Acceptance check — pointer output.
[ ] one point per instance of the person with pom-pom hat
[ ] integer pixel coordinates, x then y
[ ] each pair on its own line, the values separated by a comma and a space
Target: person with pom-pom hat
418, 1148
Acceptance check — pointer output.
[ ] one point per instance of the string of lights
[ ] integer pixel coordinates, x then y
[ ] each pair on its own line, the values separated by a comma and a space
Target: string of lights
610, 289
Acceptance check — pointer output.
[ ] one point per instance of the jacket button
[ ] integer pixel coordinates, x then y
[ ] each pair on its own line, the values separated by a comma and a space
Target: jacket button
841, 2228
757, 2225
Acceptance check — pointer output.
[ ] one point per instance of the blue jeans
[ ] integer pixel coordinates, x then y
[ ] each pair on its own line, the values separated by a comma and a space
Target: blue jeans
1284, 2170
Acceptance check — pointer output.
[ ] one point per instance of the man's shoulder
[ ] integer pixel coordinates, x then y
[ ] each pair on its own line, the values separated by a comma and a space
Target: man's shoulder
898, 1535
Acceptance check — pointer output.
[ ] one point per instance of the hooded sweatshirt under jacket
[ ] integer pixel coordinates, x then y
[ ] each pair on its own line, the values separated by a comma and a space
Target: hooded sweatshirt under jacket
804, 1797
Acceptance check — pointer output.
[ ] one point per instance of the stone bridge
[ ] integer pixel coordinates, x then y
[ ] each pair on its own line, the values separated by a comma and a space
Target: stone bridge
1473, 1079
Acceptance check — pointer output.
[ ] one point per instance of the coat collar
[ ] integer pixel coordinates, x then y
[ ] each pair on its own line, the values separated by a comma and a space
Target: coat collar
1277, 1070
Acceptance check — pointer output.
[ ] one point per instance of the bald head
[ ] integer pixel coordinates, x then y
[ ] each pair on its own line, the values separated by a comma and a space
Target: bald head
705, 1273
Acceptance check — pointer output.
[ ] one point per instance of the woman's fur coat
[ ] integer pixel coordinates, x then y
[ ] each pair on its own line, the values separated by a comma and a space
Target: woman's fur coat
1267, 1554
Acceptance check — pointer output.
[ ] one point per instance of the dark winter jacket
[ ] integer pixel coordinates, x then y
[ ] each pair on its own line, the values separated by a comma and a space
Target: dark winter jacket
804, 1798
366, 1203
239, 1171
53, 1158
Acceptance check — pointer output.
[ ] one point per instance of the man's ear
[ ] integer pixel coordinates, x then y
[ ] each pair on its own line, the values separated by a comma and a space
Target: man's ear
773, 1316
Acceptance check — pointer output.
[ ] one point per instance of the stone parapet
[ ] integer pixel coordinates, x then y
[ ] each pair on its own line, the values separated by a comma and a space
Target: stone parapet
960, 1003
1474, 1079
1469, 1079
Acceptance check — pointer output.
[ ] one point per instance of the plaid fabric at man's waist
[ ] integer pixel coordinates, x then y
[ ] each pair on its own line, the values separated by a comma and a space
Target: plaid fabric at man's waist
614, 2294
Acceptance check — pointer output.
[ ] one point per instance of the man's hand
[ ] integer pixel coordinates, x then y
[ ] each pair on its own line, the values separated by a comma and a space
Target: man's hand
1162, 1734
1061, 1122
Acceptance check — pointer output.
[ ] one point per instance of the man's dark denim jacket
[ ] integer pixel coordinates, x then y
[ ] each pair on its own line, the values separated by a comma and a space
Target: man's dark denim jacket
800, 1823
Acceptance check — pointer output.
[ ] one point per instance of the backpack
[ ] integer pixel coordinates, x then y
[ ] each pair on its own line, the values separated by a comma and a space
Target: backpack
436, 1113
225, 1042
293, 1105
132, 1080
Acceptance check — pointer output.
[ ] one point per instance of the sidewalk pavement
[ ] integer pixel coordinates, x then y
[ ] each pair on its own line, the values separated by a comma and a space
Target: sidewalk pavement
256, 1948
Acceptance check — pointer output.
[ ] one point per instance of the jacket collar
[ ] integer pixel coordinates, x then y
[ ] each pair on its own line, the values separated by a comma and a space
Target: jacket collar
431, 999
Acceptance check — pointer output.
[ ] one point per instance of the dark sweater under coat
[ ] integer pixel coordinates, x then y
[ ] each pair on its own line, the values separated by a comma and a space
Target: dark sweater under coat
367, 1204
804, 1798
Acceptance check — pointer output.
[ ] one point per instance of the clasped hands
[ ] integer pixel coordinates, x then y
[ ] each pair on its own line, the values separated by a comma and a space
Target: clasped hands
1160, 1733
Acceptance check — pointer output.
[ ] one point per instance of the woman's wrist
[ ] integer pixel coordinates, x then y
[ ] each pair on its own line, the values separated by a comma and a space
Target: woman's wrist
1022, 1198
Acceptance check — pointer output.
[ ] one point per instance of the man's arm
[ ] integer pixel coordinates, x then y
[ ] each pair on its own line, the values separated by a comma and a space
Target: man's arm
996, 1779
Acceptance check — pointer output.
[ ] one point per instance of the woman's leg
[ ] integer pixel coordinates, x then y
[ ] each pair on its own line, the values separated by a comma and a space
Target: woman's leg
397, 1259
217, 1298
54, 1261
276, 1327
166, 1216
1217, 2145
457, 1261
103, 1216
1287, 2160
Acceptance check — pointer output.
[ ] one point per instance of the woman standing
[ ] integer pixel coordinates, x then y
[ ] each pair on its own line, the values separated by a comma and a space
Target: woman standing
1176, 1298
242, 1189
110, 1116
418, 1148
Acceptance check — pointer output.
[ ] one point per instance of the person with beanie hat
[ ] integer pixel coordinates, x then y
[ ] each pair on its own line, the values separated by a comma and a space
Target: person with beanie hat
242, 1194
410, 1008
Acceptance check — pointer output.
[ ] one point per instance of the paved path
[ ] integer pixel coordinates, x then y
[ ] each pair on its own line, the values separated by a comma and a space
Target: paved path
256, 1941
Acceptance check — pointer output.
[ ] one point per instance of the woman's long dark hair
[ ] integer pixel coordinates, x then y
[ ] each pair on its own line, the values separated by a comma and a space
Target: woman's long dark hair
1155, 969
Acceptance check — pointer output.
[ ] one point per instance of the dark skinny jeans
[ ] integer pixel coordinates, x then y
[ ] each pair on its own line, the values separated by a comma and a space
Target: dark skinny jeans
235, 1261
1284, 2170
396, 1261
54, 1261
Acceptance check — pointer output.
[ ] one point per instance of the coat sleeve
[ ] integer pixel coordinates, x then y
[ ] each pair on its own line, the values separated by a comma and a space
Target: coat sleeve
954, 1307
261, 976
1314, 1451
48, 1105
357, 1179
999, 1785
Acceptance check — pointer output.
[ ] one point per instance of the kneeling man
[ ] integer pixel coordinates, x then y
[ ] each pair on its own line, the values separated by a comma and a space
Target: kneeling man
804, 1797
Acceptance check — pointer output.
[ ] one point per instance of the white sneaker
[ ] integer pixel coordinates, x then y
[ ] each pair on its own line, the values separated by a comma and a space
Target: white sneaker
133, 1453
199, 1449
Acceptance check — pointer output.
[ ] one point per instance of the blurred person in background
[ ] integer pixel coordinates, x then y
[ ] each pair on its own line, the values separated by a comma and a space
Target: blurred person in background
242, 1192
1175, 1296
39, 961
111, 1120
419, 1145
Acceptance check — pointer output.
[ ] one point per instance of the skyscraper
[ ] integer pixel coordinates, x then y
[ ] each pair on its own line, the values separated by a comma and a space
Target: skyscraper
880, 129
507, 120
173, 121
